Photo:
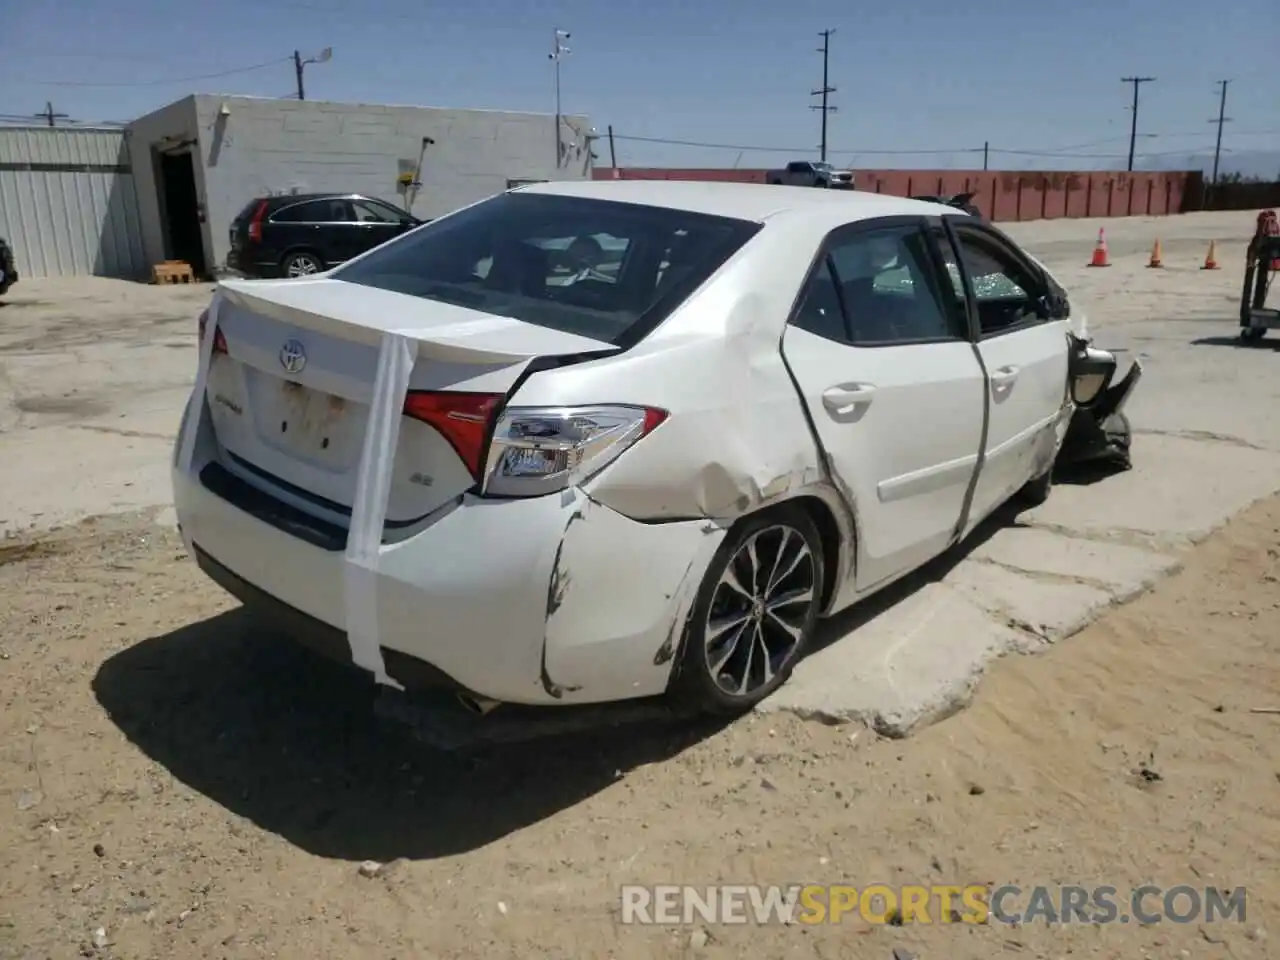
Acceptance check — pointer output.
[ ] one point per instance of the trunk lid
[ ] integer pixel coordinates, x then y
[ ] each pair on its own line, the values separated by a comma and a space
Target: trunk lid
290, 398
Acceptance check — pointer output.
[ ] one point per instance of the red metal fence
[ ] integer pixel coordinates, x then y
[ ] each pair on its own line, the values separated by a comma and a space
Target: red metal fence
999, 194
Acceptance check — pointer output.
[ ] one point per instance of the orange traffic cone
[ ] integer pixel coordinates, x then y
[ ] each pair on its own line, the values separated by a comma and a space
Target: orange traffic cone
1210, 258
1155, 260
1100, 258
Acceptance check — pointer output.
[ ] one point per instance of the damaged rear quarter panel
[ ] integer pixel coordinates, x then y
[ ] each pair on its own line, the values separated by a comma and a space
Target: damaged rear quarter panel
736, 436
618, 593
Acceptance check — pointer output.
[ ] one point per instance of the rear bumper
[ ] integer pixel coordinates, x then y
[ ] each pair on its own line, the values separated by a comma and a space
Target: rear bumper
237, 261
541, 601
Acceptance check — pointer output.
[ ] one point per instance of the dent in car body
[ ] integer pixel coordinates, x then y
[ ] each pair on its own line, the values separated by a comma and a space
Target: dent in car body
618, 594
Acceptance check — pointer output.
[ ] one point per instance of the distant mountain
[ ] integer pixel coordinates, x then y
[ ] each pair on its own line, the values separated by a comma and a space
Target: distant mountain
1248, 163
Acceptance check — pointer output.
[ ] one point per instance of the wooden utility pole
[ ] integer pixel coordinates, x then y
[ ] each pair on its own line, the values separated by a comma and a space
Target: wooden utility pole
1222, 118
613, 153
49, 116
986, 149
1133, 125
825, 91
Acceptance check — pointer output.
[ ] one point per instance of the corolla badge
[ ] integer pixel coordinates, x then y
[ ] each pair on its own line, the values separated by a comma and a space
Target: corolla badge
293, 356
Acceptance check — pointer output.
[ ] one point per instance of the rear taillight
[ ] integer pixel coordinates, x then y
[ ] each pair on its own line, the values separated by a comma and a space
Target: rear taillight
219, 341
255, 223
539, 450
463, 419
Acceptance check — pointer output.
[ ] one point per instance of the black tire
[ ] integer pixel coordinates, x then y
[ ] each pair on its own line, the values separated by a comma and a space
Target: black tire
694, 684
297, 259
1036, 490
1253, 334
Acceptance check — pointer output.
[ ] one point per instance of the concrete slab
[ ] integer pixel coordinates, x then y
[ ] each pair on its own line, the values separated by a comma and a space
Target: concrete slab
1121, 570
915, 663
1179, 491
1049, 610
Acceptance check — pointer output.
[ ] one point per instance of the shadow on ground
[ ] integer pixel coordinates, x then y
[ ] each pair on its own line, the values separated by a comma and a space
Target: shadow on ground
842, 624
1272, 342
1087, 473
292, 743
295, 744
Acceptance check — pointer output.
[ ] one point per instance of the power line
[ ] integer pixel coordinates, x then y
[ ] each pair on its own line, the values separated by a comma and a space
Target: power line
1133, 128
168, 80
1222, 118
763, 149
825, 91
760, 148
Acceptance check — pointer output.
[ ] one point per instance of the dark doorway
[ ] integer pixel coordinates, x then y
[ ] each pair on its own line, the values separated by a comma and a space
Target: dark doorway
180, 210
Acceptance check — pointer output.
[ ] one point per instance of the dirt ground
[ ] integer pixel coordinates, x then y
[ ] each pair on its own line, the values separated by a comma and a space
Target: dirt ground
179, 783
176, 781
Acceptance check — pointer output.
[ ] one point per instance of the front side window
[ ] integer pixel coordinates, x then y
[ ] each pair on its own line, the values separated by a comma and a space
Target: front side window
605, 270
370, 211
1005, 292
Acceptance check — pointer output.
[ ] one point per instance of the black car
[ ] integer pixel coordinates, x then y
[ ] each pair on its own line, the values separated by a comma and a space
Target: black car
8, 270
302, 234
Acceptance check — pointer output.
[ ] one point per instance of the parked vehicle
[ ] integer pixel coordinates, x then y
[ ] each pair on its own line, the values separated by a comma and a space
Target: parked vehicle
305, 234
807, 173
8, 268
557, 487
961, 201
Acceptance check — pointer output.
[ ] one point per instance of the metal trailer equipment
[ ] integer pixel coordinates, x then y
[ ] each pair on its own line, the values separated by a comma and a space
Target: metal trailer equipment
1261, 265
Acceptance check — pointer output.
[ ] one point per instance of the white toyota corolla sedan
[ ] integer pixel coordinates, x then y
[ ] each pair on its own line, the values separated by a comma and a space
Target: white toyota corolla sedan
583, 442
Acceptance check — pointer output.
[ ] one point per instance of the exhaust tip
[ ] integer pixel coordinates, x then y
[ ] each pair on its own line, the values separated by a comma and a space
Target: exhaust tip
479, 706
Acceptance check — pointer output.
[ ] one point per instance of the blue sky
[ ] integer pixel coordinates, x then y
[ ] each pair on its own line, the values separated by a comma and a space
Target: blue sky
929, 75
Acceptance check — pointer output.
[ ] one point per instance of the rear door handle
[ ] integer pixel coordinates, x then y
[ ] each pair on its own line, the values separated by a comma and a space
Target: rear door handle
1003, 378
846, 397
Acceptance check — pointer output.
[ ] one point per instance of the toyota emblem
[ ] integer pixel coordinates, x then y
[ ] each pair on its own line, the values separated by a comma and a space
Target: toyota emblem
293, 356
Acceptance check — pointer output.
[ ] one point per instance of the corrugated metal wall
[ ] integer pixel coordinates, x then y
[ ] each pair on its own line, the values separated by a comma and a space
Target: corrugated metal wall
67, 203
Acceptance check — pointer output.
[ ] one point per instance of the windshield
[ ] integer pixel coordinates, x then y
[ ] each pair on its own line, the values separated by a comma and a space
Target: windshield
599, 269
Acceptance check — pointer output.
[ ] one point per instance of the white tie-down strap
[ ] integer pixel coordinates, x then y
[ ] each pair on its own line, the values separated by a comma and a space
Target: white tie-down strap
195, 409
369, 510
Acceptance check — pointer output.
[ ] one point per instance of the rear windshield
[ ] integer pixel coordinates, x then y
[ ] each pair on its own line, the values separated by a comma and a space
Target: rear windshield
247, 212
599, 269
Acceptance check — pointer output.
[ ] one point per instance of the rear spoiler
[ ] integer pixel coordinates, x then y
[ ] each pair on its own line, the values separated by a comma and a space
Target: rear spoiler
956, 200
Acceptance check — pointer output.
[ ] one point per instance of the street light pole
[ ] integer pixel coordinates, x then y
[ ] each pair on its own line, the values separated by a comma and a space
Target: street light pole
298, 63
558, 51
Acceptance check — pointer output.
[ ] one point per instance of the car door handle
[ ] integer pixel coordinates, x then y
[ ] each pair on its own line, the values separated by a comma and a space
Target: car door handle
846, 397
1003, 378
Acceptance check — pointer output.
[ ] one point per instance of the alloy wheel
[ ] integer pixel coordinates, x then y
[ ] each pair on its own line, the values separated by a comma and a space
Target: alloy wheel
758, 610
302, 266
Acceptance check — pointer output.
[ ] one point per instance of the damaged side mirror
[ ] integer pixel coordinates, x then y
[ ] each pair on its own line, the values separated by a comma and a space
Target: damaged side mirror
1091, 371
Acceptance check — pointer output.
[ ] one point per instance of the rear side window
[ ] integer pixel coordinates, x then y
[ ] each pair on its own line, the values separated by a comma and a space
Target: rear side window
248, 211
889, 290
316, 211
605, 270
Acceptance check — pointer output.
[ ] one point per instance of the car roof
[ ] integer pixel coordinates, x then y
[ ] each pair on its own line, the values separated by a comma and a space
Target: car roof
743, 201
287, 198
